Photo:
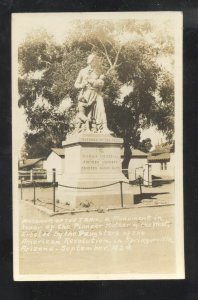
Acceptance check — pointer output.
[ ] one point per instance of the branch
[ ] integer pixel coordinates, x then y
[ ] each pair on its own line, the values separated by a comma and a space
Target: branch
94, 46
113, 47
105, 53
117, 56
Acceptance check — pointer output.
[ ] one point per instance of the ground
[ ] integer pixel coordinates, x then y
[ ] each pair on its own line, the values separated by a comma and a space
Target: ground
138, 240
163, 194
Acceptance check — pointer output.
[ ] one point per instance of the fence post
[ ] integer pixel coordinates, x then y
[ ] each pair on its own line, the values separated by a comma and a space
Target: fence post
140, 183
34, 186
143, 178
54, 189
31, 175
121, 194
54, 175
21, 188
148, 175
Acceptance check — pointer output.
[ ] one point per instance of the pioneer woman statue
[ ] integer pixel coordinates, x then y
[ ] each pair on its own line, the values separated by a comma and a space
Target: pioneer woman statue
91, 111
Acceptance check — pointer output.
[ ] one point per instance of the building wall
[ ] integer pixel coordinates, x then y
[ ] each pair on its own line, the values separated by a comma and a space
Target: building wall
136, 167
54, 161
168, 172
172, 165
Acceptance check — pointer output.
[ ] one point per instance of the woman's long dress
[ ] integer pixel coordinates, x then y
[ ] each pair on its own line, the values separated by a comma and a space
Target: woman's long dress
93, 96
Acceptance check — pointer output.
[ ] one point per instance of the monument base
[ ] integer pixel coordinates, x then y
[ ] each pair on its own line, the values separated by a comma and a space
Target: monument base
101, 197
92, 173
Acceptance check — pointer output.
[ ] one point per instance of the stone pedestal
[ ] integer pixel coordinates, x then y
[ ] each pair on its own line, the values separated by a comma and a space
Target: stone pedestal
93, 160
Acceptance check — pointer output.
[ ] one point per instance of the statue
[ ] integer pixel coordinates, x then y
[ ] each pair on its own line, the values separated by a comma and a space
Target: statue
91, 115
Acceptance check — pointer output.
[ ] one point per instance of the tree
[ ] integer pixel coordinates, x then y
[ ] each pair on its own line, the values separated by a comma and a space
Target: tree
47, 73
127, 58
163, 115
133, 62
145, 145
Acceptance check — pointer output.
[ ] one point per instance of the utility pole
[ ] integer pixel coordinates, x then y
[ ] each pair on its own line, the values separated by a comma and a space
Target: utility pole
148, 173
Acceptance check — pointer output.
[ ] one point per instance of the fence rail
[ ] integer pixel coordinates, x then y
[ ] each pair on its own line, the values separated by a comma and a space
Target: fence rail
32, 174
36, 184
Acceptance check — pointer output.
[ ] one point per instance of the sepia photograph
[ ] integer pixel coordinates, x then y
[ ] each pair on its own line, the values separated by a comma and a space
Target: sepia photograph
97, 146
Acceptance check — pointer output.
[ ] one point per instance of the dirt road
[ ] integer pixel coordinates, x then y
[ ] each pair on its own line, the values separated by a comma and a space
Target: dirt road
138, 240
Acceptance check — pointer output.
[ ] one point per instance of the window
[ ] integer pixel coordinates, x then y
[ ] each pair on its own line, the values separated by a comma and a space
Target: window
164, 166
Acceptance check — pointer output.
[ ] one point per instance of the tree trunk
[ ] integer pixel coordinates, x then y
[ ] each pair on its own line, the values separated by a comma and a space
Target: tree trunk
126, 160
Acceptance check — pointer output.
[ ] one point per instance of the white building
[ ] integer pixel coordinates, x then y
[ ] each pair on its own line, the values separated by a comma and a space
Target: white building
138, 166
55, 160
162, 161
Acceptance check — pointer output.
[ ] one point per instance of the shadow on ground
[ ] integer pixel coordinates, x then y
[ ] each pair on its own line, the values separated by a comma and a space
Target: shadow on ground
160, 182
147, 196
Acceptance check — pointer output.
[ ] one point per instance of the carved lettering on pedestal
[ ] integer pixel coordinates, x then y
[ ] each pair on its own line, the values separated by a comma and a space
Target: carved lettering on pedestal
100, 162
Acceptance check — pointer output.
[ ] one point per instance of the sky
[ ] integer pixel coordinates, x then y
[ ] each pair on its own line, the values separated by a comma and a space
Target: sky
59, 25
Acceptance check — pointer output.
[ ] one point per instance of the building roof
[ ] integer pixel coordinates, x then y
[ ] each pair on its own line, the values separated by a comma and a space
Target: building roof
135, 153
59, 151
30, 162
138, 153
159, 158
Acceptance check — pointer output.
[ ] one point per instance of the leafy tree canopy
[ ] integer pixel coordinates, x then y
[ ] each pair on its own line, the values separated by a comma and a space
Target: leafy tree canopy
138, 91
